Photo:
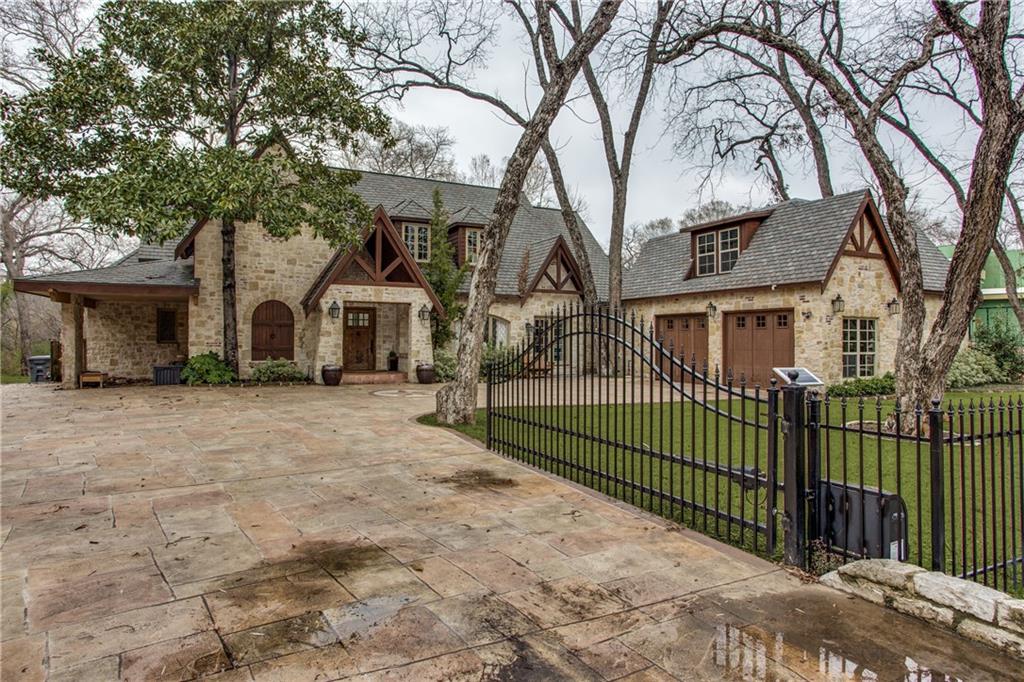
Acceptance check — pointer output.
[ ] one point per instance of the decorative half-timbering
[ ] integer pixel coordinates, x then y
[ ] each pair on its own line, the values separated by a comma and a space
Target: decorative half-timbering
559, 272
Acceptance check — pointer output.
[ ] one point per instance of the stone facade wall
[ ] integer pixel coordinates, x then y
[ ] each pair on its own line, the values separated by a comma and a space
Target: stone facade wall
518, 313
969, 609
398, 325
865, 285
120, 338
267, 268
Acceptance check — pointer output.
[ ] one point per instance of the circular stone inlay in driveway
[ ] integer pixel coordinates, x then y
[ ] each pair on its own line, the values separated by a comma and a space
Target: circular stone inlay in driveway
403, 393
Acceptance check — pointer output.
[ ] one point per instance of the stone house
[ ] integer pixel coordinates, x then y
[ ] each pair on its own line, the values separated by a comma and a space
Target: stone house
802, 283
365, 307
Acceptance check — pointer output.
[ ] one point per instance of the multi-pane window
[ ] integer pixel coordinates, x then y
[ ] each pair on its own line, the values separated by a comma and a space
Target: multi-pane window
706, 254
417, 240
728, 248
472, 245
717, 252
358, 319
496, 331
858, 347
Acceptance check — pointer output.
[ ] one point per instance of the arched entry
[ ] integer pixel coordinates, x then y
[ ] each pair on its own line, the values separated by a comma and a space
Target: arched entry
273, 331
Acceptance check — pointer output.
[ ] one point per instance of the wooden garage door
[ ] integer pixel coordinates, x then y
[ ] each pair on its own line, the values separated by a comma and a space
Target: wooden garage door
756, 341
687, 335
273, 331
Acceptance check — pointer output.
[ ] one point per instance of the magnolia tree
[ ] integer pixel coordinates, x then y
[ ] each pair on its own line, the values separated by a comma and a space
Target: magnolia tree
164, 122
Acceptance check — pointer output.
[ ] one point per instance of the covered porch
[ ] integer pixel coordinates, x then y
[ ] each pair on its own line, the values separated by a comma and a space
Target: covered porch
120, 322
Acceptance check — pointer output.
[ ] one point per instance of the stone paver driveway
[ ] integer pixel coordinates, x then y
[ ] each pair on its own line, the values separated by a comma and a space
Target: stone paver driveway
309, 533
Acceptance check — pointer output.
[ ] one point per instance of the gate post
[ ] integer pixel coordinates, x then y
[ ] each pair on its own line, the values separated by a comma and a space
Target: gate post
937, 490
815, 508
794, 467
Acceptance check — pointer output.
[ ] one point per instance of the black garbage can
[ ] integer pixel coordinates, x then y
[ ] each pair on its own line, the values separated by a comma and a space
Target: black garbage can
38, 368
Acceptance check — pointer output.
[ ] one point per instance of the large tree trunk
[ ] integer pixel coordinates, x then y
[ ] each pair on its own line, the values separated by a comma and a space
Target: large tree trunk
456, 402
227, 234
24, 333
572, 225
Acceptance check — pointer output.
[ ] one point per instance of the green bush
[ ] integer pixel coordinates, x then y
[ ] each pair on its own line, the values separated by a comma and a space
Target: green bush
444, 365
854, 388
270, 371
207, 368
493, 354
974, 367
1005, 345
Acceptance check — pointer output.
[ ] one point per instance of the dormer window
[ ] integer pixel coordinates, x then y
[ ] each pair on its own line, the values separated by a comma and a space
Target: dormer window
472, 245
718, 251
417, 240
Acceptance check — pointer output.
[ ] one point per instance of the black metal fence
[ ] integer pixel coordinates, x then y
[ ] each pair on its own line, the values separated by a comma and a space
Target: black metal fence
595, 398
701, 449
941, 486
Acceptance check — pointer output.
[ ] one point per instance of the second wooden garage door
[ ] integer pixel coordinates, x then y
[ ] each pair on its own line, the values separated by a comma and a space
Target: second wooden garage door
756, 341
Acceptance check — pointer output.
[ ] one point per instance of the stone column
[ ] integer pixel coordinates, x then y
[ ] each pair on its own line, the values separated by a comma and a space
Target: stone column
72, 339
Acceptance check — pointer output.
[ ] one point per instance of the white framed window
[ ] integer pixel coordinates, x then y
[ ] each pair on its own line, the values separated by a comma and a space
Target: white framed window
496, 331
728, 248
472, 245
417, 240
706, 254
718, 251
858, 347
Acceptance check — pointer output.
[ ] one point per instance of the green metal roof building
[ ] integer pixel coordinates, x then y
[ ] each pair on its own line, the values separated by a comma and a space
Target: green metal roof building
994, 305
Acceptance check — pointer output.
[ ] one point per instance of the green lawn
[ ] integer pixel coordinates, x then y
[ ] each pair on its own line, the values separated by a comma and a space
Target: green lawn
13, 379
575, 442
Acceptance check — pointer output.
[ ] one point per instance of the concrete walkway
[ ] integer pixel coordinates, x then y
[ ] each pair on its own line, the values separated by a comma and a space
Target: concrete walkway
309, 533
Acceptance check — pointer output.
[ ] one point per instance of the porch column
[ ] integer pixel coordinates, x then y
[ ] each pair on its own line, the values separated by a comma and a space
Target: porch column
72, 338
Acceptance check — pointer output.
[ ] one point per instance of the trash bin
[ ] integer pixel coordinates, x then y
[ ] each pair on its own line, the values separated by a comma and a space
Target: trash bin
38, 368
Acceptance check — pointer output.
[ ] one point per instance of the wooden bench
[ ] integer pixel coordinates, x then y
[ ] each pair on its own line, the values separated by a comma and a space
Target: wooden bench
91, 378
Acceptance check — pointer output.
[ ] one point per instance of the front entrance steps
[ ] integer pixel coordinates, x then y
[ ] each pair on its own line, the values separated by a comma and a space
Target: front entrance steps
373, 377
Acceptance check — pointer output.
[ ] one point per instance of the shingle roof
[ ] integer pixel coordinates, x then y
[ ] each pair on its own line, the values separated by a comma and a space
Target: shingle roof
153, 273
795, 244
149, 252
474, 203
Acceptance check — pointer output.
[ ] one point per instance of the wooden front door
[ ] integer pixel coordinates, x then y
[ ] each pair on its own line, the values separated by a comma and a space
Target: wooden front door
273, 332
755, 342
686, 336
360, 327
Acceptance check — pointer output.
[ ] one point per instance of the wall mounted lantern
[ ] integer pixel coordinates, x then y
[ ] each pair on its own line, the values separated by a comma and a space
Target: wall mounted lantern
712, 310
893, 307
529, 329
838, 304
424, 314
334, 310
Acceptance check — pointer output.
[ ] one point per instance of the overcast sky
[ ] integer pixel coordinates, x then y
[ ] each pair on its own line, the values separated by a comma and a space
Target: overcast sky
661, 183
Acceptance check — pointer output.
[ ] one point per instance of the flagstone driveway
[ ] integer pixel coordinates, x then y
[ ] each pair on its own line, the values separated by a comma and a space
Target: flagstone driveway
307, 533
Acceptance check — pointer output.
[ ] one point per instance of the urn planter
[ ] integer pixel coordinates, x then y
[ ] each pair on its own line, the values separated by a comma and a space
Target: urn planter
331, 374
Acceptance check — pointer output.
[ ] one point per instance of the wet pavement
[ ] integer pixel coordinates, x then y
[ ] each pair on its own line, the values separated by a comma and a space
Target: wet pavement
307, 533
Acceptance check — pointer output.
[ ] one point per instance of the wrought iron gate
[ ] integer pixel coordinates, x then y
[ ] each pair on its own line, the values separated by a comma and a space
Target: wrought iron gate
630, 417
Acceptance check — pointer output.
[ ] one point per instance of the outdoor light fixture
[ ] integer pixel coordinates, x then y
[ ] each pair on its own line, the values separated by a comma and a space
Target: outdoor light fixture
712, 310
838, 304
893, 306
529, 329
334, 310
425, 314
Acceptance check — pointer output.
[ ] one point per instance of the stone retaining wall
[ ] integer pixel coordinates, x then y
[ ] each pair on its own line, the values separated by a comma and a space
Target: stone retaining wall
969, 609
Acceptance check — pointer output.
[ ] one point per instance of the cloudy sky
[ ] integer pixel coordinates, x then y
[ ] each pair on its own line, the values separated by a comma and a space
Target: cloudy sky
662, 183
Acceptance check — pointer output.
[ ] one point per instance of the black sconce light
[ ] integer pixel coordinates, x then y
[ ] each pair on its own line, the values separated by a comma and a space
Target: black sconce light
334, 310
424, 314
529, 329
838, 304
893, 306
712, 310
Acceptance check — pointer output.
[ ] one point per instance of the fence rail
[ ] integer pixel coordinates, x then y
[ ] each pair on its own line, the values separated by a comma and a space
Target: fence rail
596, 398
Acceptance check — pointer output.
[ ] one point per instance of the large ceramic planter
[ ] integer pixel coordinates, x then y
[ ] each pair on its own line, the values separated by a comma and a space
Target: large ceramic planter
425, 373
331, 374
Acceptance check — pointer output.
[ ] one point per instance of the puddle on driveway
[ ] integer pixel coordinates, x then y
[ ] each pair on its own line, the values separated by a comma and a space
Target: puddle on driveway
815, 634
475, 479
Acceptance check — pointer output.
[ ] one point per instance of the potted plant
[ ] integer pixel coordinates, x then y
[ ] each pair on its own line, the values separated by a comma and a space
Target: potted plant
393, 361
425, 373
331, 374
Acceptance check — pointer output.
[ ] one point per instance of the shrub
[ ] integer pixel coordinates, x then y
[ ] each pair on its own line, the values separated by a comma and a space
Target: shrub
854, 388
270, 371
974, 367
493, 354
207, 368
444, 365
1005, 345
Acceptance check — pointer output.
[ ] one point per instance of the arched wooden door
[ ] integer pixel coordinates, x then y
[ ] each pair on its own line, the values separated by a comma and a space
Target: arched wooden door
273, 331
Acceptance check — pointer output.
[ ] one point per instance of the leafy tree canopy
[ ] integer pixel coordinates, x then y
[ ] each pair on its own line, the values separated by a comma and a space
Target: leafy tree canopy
166, 119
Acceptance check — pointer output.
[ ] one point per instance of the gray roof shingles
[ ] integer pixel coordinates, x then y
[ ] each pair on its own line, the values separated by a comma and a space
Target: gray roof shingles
795, 244
152, 272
